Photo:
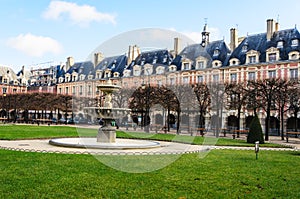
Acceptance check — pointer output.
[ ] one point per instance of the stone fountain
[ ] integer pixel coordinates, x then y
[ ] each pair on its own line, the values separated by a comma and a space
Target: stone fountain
107, 133
106, 137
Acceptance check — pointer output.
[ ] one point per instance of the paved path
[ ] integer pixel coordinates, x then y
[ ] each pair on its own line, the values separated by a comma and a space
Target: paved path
43, 146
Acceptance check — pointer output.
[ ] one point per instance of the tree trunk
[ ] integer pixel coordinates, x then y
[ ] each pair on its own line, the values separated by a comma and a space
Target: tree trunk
267, 126
282, 123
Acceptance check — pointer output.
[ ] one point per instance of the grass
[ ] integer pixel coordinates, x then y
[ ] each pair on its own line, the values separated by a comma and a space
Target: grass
221, 174
15, 132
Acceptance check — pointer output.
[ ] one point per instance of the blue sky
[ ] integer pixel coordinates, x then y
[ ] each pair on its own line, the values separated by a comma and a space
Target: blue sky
38, 31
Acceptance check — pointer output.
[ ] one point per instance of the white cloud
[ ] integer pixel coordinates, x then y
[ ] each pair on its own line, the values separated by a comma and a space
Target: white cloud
79, 15
33, 45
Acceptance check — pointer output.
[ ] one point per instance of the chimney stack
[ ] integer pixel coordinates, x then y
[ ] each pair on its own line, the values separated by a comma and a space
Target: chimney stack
69, 63
133, 53
233, 38
177, 46
98, 57
270, 29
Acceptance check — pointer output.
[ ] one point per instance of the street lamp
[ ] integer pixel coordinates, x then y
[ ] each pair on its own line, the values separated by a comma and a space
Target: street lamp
4, 104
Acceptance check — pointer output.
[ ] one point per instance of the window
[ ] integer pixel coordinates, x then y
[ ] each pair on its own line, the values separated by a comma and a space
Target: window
154, 60
80, 90
251, 76
186, 66
215, 78
295, 42
4, 90
272, 57
252, 59
159, 82
74, 90
200, 64
143, 62
245, 48
185, 80
216, 52
272, 74
67, 90
172, 80
200, 79
59, 90
233, 77
89, 90
294, 56
294, 74
280, 44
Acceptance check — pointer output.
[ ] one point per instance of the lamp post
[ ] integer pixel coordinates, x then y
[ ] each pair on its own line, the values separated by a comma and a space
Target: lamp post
4, 104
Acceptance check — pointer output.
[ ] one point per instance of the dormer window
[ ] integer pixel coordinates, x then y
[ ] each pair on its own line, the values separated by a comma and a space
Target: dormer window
216, 64
172, 68
154, 60
114, 64
165, 59
136, 72
245, 47
234, 62
160, 70
216, 52
294, 55
252, 59
186, 66
143, 62
116, 74
272, 57
200, 64
272, 54
295, 42
280, 44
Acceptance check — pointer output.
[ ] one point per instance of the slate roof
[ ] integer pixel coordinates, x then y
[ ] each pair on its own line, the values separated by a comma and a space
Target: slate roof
115, 64
259, 43
156, 58
85, 68
197, 50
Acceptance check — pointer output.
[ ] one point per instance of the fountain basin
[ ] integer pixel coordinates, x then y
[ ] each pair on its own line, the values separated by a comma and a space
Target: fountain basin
91, 143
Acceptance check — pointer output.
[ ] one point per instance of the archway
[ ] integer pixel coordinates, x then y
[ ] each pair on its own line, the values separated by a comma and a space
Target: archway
292, 124
274, 126
232, 121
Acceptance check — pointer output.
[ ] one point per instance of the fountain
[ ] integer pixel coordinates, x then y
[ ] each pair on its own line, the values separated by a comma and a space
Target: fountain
106, 137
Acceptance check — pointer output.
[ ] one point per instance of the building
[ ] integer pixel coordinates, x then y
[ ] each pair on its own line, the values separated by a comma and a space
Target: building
271, 54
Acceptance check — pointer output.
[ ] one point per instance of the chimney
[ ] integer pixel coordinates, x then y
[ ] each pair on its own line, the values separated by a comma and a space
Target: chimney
133, 53
233, 38
69, 63
270, 29
177, 46
277, 26
98, 57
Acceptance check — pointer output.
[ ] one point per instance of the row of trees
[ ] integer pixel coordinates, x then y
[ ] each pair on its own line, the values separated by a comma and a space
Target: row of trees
266, 95
11, 105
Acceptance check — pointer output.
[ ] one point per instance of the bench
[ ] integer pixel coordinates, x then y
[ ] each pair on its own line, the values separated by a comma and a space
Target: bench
238, 132
291, 133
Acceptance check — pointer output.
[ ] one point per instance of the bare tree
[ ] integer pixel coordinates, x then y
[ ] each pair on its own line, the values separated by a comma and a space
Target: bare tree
236, 98
266, 91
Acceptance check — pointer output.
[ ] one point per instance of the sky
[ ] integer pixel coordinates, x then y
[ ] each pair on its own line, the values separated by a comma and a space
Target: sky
37, 33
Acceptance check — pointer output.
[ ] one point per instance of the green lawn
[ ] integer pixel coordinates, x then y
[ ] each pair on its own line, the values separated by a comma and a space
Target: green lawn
221, 174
